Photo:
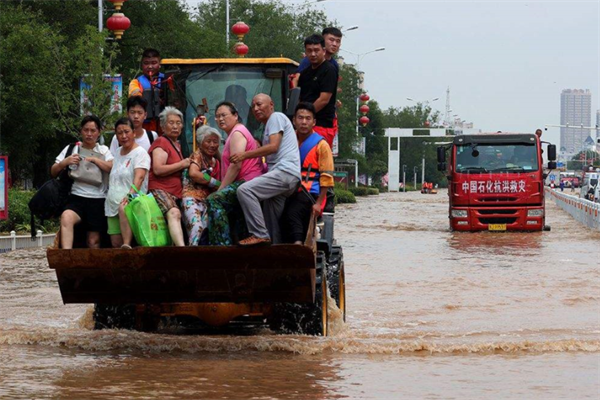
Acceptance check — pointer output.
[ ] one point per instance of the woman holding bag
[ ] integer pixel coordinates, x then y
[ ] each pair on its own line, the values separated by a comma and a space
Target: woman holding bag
167, 164
130, 167
86, 200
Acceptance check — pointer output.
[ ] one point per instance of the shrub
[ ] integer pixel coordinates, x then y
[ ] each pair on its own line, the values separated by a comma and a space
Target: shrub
344, 196
373, 191
19, 217
359, 191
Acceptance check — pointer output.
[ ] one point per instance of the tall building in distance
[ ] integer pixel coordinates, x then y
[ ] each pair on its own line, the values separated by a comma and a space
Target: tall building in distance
575, 109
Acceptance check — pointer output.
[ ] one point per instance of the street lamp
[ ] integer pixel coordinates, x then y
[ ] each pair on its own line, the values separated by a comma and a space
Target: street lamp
358, 57
426, 102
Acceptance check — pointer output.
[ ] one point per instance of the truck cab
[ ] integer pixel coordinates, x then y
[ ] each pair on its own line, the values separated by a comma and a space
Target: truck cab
496, 181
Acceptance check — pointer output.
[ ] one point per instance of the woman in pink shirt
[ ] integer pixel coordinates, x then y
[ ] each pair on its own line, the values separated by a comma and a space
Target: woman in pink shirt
223, 206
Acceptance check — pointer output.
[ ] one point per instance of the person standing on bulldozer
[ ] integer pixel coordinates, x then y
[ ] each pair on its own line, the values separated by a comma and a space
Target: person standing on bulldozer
148, 86
318, 84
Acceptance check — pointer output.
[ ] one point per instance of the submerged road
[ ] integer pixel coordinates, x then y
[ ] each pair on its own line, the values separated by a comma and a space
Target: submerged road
431, 314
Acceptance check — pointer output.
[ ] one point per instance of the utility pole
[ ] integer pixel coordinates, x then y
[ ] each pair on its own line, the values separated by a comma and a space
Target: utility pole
404, 177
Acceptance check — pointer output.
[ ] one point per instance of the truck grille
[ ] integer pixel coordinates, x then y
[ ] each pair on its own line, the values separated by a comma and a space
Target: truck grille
498, 220
488, 212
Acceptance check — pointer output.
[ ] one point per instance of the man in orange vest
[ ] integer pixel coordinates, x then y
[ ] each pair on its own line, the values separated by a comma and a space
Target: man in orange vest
316, 162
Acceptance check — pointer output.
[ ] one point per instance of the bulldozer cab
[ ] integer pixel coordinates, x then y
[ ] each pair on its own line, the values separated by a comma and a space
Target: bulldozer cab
198, 82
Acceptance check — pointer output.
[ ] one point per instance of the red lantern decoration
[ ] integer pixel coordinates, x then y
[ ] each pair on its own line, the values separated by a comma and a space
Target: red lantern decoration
118, 3
118, 23
364, 97
241, 49
239, 29
427, 124
364, 109
364, 121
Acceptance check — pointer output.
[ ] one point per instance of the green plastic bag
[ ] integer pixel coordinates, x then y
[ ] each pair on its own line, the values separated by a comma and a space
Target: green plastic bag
147, 222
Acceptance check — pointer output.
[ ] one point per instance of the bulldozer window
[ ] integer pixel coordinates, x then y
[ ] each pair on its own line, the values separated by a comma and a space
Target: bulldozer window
236, 86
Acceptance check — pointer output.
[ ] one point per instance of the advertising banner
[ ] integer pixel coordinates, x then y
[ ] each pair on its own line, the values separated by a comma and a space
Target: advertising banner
116, 92
3, 187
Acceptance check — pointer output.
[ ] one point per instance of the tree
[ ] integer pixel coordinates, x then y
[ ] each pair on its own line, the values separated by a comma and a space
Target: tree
276, 30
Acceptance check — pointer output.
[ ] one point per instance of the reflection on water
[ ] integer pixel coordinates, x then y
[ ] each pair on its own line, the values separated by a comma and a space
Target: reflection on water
464, 308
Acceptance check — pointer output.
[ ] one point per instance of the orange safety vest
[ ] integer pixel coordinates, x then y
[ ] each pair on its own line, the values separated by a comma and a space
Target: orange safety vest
310, 163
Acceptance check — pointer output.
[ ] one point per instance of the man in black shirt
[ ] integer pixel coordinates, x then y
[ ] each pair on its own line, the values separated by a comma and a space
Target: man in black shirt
318, 85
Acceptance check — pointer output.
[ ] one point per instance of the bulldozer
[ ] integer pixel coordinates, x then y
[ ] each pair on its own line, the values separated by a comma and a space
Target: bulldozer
286, 287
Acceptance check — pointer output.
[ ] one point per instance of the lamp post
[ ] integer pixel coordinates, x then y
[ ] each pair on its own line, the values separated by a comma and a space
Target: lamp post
415, 175
404, 177
358, 57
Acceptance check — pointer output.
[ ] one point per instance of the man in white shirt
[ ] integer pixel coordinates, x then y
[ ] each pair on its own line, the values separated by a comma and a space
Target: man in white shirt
136, 112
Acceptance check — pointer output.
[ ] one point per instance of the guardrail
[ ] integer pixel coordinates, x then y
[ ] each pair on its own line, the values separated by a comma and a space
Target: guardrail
585, 211
14, 242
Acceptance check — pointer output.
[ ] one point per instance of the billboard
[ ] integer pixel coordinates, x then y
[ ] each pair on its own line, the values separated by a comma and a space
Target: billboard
3, 187
116, 92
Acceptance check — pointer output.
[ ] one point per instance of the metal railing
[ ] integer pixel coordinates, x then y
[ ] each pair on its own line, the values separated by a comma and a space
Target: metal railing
585, 211
14, 242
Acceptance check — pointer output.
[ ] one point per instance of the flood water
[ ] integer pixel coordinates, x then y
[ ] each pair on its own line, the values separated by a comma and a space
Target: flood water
431, 314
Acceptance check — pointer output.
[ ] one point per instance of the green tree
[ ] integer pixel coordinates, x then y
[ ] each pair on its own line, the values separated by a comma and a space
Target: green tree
276, 30
40, 87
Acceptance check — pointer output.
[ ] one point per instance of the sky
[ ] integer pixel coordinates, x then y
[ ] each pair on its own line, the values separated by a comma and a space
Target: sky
505, 62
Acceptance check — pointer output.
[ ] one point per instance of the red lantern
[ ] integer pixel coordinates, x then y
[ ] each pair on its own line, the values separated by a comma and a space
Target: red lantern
364, 109
427, 124
118, 23
364, 121
118, 3
240, 29
364, 97
241, 49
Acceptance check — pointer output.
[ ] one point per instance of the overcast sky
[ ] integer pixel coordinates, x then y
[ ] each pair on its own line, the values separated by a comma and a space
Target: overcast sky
505, 62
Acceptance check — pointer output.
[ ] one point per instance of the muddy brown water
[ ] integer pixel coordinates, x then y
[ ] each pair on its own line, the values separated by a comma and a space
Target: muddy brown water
431, 314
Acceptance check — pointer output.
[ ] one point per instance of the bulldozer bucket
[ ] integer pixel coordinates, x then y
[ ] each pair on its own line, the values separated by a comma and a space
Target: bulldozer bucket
278, 273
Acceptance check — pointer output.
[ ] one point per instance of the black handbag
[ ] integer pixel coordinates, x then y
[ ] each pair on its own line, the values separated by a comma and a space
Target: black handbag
51, 198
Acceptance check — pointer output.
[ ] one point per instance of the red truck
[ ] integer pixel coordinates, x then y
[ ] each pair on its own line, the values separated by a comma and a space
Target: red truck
496, 181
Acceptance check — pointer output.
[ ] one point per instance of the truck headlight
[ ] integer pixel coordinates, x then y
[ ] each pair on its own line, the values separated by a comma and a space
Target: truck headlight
535, 213
459, 214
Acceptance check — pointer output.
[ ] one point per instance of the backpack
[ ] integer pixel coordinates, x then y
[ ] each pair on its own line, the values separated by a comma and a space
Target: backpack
51, 198
150, 135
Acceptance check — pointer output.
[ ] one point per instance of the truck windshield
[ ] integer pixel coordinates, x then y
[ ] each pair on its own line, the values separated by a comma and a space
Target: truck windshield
484, 158
235, 85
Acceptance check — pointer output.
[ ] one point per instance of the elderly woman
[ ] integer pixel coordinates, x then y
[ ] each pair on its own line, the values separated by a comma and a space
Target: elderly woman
167, 163
203, 179
130, 166
224, 201
86, 201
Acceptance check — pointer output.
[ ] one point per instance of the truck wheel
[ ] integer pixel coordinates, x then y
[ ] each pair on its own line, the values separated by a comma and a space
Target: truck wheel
309, 319
108, 316
336, 277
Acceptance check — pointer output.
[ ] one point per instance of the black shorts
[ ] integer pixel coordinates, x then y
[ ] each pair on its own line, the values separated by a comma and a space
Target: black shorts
91, 212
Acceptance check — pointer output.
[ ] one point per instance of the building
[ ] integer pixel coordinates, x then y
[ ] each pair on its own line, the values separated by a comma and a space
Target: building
576, 110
